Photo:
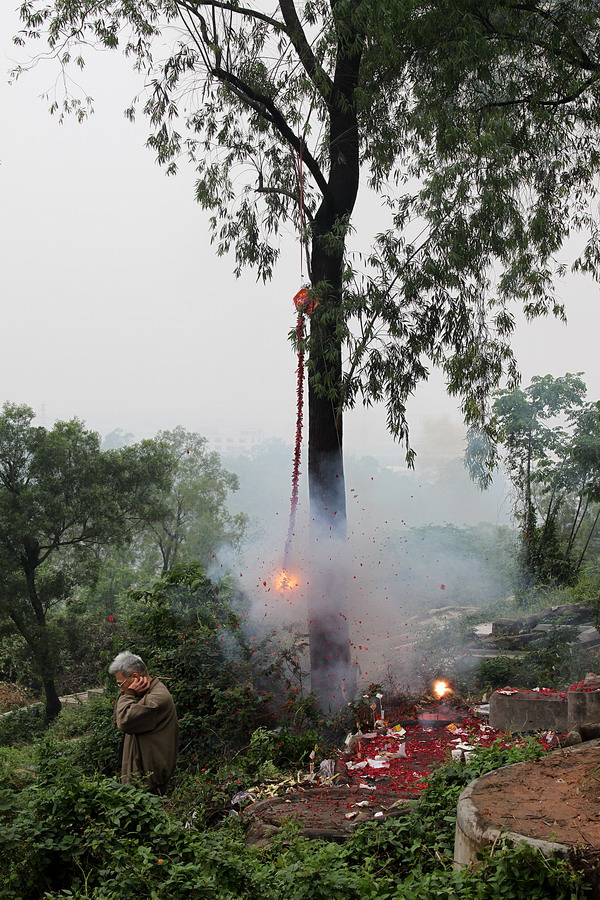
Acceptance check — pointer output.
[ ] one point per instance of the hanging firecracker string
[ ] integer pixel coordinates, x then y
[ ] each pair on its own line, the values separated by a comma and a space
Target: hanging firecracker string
298, 441
305, 305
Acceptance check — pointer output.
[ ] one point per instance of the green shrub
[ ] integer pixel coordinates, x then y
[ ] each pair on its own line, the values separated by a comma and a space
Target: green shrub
21, 726
186, 631
281, 747
17, 767
554, 661
66, 824
510, 872
86, 736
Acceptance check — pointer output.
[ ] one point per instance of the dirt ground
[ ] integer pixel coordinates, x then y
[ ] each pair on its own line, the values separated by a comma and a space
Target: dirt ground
331, 813
556, 798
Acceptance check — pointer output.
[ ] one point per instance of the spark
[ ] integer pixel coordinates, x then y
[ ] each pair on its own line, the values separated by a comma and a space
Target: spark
440, 688
286, 580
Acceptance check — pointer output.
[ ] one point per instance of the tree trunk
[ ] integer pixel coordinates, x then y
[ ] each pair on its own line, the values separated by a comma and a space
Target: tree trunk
53, 704
36, 632
333, 675
36, 638
333, 679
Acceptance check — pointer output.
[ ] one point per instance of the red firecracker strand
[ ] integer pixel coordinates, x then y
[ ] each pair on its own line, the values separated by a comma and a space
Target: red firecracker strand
299, 419
305, 305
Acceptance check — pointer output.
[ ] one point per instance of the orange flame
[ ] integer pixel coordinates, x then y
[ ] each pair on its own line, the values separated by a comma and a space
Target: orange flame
441, 688
286, 581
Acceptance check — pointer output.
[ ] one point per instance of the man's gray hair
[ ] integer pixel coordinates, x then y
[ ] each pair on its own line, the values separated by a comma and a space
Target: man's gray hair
127, 663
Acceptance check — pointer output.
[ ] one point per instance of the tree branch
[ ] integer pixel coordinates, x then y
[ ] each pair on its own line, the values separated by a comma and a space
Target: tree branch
552, 104
192, 8
261, 189
265, 107
296, 34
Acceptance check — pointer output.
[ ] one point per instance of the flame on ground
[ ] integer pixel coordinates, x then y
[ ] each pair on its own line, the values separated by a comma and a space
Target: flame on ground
440, 689
286, 580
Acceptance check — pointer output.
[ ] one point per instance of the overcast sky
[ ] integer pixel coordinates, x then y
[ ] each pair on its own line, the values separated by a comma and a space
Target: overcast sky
116, 309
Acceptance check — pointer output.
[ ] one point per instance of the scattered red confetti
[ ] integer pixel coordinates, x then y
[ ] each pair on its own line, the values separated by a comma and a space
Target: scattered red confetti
426, 750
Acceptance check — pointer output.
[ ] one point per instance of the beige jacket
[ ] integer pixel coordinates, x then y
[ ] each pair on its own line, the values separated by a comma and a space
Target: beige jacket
151, 734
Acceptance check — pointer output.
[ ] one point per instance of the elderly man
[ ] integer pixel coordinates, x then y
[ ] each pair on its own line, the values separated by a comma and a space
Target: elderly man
145, 712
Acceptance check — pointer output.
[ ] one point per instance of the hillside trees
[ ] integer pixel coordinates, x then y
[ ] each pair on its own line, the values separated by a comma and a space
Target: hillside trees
195, 521
474, 124
551, 438
61, 498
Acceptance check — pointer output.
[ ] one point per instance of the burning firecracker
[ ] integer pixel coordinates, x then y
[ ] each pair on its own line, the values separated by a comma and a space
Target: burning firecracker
440, 689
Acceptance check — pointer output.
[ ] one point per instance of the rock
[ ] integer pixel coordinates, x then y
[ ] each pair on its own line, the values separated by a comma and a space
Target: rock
522, 640
589, 638
584, 706
506, 626
510, 641
589, 731
529, 623
569, 613
528, 711
446, 610
591, 678
572, 738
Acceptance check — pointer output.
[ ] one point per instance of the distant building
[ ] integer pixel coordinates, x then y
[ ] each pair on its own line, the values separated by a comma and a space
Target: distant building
234, 443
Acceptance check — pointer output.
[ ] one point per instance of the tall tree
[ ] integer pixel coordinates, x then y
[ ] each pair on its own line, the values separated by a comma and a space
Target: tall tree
475, 124
195, 520
61, 498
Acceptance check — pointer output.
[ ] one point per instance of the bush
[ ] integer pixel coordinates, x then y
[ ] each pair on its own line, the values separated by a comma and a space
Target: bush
281, 747
186, 631
22, 726
86, 736
81, 639
67, 830
17, 767
558, 662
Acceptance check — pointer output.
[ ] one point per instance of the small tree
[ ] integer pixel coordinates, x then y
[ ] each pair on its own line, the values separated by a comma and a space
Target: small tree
61, 497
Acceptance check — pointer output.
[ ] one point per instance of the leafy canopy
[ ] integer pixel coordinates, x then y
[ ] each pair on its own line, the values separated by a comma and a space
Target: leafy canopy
61, 498
474, 123
195, 521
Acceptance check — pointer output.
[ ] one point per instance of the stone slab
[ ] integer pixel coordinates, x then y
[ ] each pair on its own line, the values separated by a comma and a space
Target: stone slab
589, 638
583, 708
528, 712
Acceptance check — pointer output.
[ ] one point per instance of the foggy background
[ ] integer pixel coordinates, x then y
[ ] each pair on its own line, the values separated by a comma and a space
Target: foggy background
116, 310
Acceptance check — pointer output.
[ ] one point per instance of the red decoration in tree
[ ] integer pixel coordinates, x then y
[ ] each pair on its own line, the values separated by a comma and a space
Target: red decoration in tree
304, 303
